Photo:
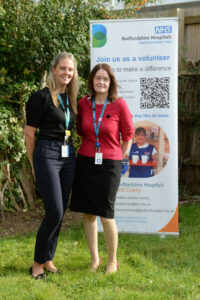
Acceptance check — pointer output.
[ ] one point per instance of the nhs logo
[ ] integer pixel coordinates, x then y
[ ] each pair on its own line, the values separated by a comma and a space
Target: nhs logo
162, 29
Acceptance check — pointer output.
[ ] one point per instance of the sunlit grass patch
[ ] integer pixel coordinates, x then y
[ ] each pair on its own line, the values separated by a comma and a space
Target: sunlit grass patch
150, 267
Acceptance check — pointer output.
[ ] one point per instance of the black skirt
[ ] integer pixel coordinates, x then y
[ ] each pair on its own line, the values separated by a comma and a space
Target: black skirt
95, 186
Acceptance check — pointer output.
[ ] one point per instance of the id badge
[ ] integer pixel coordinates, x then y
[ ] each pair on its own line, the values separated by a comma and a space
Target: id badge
65, 151
68, 132
98, 158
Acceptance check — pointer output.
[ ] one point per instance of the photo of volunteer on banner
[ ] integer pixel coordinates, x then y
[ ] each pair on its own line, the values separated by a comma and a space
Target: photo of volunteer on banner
149, 151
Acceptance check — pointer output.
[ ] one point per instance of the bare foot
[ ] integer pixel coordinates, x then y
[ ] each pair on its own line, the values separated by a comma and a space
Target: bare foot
49, 266
37, 269
95, 265
112, 267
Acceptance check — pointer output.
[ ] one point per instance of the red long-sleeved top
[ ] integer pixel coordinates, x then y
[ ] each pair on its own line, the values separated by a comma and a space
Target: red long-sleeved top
116, 122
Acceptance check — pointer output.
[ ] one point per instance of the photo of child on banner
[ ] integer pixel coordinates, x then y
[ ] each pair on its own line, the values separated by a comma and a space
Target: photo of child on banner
149, 151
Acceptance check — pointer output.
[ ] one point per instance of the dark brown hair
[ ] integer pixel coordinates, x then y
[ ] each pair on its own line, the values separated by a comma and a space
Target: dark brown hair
140, 130
112, 92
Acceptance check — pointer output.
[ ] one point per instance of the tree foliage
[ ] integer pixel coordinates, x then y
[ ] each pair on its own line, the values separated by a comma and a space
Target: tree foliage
31, 34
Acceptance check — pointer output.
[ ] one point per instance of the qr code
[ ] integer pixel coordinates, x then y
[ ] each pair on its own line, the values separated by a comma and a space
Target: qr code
154, 92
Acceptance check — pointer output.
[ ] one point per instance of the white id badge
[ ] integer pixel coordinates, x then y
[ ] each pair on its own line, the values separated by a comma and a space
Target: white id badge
98, 158
65, 151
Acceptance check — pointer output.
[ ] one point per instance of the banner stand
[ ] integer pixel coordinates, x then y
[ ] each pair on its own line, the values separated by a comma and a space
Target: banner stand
143, 54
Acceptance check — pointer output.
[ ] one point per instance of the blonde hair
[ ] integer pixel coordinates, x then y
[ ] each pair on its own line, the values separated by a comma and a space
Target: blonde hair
73, 86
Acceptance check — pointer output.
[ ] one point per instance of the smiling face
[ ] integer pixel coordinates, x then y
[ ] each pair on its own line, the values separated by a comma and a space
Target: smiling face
63, 72
101, 82
140, 139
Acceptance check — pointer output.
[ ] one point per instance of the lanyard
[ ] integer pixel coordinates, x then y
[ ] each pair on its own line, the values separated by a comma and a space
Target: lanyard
67, 114
96, 127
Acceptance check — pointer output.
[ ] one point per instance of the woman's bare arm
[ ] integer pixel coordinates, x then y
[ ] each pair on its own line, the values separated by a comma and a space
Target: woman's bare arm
126, 145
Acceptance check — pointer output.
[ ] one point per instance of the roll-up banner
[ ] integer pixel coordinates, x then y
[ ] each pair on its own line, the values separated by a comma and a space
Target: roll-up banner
143, 54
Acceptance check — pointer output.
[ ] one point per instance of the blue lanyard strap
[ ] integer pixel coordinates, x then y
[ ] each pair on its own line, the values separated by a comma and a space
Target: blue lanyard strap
67, 111
96, 127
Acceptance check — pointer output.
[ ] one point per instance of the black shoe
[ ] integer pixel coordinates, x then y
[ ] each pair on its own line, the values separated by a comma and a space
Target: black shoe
39, 276
54, 271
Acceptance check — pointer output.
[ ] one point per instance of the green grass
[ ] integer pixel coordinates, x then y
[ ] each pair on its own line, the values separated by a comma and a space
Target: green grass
151, 267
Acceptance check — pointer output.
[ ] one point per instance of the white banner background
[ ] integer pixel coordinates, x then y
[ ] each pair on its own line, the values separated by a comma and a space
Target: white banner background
135, 49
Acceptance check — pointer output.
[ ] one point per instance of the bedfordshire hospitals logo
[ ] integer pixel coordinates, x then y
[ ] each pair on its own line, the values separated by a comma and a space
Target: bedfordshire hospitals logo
99, 33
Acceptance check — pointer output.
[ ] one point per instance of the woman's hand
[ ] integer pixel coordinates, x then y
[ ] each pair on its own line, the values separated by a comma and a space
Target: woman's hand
126, 145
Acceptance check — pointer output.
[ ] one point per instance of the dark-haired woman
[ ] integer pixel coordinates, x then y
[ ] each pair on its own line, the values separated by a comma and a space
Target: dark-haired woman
52, 110
103, 120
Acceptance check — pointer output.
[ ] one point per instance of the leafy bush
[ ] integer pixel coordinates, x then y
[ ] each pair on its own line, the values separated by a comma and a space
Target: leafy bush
31, 34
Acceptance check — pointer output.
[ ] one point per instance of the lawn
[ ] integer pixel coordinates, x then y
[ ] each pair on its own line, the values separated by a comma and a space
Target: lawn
150, 267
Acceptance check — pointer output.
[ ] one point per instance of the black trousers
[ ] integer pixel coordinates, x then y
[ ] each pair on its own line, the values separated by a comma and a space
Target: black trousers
54, 177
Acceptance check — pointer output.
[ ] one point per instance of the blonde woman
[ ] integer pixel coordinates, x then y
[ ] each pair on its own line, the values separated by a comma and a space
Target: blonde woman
52, 111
